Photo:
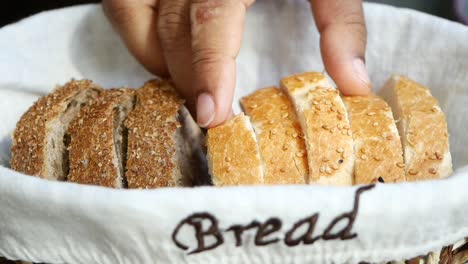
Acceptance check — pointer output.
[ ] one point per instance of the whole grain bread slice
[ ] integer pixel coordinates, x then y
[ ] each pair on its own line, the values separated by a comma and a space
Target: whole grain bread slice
326, 128
279, 136
38, 141
98, 140
164, 142
423, 129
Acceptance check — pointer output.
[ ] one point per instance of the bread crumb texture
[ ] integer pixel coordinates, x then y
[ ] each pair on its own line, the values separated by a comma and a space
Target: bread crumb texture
151, 128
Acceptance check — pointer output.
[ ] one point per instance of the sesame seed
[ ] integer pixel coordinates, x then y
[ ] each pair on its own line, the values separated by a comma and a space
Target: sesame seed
315, 103
295, 135
254, 106
285, 147
349, 133
328, 170
334, 166
413, 172
228, 169
322, 169
433, 157
356, 101
371, 113
340, 116
432, 171
363, 157
434, 109
376, 124
228, 159
378, 158
273, 131
318, 107
299, 78
389, 137
400, 164
284, 107
340, 126
346, 126
282, 170
300, 154
326, 127
271, 122
285, 115
325, 159
340, 150
438, 155
333, 109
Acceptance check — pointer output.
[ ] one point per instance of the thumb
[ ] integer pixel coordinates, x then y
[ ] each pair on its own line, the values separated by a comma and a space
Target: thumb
343, 38
216, 28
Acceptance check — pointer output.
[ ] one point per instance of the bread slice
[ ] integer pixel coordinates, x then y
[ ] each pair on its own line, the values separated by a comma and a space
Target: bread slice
279, 135
97, 140
422, 127
326, 128
377, 145
233, 153
38, 141
164, 142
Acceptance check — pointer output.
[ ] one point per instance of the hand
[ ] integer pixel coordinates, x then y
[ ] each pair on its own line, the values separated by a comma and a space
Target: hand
196, 42
343, 38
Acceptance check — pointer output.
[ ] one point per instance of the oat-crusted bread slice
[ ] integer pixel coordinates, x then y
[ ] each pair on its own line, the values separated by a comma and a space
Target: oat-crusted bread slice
326, 128
377, 145
233, 153
279, 136
423, 129
38, 141
164, 142
97, 140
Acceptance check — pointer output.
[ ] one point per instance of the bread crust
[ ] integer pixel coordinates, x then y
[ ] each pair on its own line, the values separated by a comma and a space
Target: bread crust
152, 125
377, 144
92, 150
233, 154
30, 139
326, 128
422, 127
279, 136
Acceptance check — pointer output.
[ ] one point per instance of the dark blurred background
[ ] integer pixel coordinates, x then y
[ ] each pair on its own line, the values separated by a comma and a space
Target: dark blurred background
12, 11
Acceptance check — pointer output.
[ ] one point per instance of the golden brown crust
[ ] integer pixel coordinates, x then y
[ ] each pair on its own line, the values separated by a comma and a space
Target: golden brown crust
151, 129
30, 136
233, 154
325, 124
92, 151
377, 145
279, 135
424, 130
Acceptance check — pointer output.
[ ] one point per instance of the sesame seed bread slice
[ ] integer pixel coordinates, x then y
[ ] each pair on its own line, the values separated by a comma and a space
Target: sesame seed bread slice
422, 127
98, 140
164, 142
233, 153
326, 128
38, 141
377, 145
279, 136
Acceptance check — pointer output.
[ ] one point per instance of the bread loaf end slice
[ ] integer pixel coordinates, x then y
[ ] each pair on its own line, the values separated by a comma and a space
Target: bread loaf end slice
38, 142
423, 129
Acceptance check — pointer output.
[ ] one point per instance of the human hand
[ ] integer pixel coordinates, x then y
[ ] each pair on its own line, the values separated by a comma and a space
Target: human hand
196, 42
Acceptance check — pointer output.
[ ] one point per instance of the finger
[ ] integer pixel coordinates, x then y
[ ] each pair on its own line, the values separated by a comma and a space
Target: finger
136, 21
174, 35
216, 28
343, 38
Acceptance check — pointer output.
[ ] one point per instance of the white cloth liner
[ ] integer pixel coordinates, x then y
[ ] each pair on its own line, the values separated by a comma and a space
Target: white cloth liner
66, 223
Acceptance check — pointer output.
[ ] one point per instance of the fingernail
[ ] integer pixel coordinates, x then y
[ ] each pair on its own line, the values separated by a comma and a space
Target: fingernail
361, 71
205, 110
